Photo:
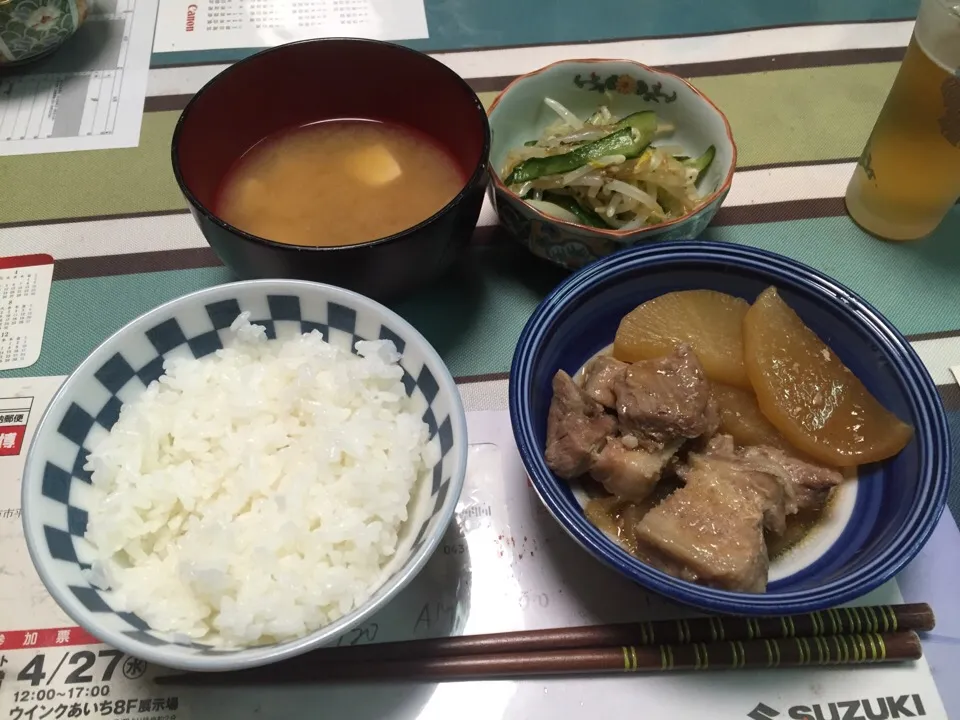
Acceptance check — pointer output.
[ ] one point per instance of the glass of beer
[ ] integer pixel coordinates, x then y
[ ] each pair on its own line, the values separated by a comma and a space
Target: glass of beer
908, 176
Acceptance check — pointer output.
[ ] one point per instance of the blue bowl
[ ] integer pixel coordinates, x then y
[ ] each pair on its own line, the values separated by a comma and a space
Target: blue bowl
896, 503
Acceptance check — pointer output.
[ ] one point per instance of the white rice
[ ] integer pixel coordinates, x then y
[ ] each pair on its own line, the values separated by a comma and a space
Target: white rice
256, 494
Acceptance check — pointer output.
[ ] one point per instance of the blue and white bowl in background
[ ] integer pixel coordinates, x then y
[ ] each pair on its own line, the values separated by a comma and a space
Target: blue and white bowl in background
54, 502
624, 86
878, 523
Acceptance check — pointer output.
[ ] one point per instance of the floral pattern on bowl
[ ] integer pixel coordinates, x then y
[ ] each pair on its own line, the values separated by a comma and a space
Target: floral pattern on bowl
625, 85
29, 29
519, 114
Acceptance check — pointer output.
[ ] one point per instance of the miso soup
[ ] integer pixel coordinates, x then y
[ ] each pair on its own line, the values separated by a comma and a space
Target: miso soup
339, 182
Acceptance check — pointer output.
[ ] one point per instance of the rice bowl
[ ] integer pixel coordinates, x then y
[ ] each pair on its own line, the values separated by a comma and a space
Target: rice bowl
255, 494
59, 499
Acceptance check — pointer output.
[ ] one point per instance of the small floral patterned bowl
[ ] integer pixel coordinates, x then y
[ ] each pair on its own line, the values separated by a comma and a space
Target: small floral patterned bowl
519, 114
31, 29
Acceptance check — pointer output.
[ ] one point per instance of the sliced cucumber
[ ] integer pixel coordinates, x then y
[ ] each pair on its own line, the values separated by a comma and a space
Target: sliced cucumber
628, 142
700, 164
584, 216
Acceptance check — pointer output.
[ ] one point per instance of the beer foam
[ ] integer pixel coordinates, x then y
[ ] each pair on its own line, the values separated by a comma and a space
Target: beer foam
938, 33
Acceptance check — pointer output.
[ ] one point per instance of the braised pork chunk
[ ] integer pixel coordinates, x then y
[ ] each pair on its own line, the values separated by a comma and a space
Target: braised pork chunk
710, 532
665, 399
577, 428
631, 473
599, 376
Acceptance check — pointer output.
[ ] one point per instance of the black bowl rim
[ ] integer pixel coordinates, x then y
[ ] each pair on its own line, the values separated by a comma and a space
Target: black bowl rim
476, 177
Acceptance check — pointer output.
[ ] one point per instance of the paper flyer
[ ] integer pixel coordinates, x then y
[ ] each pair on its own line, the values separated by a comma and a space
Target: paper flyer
504, 564
184, 25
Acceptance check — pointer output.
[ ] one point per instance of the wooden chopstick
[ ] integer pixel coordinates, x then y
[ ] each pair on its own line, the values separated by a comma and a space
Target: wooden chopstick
856, 649
842, 621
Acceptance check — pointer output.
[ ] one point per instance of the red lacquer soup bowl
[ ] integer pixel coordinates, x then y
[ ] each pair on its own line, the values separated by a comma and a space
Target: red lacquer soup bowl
328, 79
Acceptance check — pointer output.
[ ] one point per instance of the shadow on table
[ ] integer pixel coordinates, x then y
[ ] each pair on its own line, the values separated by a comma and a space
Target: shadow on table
453, 308
397, 701
605, 595
941, 250
536, 274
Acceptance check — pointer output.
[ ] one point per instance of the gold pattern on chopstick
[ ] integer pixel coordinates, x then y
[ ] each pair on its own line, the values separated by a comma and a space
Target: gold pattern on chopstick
739, 656
849, 648
854, 619
893, 620
835, 619
626, 659
663, 657
670, 656
720, 632
824, 647
633, 656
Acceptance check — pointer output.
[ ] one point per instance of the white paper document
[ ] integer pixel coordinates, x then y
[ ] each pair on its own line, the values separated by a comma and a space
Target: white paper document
504, 564
88, 95
25, 283
220, 24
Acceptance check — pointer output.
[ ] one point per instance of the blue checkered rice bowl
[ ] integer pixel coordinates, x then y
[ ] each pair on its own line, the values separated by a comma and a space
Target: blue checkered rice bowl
56, 487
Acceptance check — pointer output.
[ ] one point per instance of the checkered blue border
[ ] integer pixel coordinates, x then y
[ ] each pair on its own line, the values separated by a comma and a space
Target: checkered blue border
138, 361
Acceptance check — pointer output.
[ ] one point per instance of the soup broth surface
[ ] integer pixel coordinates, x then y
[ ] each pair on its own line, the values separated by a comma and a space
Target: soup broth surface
338, 182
